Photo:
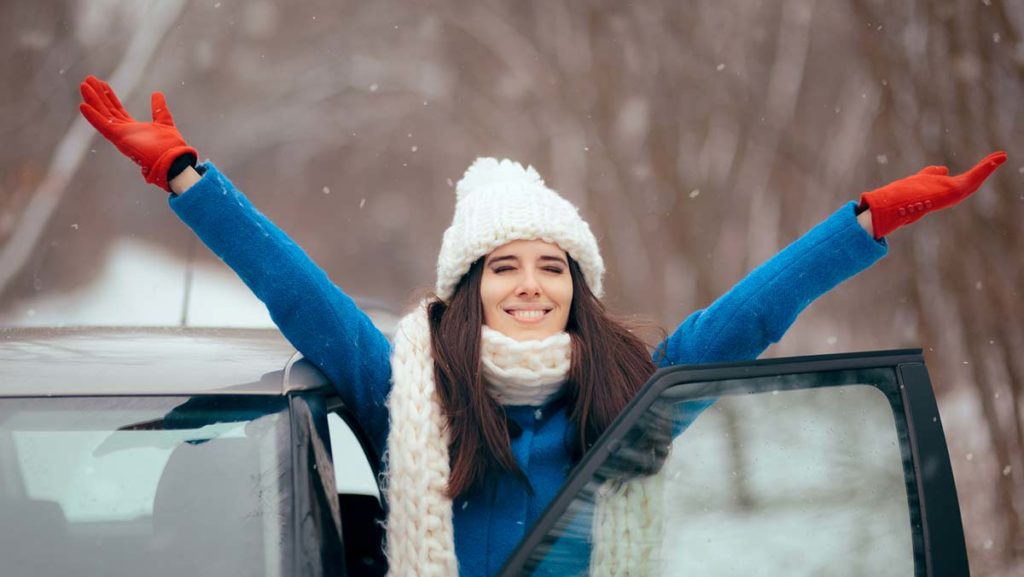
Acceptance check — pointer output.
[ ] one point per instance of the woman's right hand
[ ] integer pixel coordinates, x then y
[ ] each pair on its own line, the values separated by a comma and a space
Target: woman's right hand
152, 145
908, 199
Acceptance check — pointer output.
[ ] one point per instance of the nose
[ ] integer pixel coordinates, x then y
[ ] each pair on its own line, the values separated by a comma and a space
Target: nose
528, 285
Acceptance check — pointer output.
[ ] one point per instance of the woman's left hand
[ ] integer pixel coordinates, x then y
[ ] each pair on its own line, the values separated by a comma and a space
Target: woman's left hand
908, 199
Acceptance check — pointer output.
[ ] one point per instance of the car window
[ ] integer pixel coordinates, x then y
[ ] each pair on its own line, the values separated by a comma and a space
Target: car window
352, 471
155, 486
797, 481
799, 474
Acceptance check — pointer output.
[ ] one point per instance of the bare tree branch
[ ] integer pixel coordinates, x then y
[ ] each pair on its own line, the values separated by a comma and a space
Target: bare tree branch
72, 149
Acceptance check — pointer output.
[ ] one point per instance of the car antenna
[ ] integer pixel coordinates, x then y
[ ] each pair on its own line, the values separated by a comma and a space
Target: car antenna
190, 258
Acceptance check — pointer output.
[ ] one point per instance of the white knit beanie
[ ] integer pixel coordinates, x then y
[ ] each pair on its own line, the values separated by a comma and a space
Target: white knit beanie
497, 202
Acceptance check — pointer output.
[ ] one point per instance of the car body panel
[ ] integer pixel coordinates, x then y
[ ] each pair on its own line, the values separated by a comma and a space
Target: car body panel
150, 361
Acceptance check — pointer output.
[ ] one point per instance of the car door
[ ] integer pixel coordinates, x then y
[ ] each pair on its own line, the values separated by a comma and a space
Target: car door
827, 465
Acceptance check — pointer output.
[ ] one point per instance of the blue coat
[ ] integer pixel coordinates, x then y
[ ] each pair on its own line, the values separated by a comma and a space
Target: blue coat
325, 325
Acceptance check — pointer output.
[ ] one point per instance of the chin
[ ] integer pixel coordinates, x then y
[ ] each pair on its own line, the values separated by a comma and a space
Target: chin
530, 333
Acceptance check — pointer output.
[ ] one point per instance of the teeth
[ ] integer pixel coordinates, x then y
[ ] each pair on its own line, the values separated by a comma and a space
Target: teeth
528, 315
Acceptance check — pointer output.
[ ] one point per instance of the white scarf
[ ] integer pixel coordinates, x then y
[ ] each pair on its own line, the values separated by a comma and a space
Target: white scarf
420, 536
524, 372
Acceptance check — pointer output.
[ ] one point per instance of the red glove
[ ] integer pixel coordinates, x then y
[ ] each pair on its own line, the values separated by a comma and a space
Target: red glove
152, 145
908, 199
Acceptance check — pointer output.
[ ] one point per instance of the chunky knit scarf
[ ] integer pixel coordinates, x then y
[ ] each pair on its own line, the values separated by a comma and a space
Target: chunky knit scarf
420, 536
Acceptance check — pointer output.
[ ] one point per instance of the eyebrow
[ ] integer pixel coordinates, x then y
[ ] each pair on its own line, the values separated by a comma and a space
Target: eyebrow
511, 257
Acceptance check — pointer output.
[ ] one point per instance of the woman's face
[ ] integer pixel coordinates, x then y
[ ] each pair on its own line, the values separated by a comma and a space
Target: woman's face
526, 290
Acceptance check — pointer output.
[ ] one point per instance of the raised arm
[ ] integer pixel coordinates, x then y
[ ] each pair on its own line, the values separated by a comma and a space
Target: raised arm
321, 321
756, 312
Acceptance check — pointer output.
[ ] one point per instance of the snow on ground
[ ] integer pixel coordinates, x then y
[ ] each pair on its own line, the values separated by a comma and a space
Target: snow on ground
139, 285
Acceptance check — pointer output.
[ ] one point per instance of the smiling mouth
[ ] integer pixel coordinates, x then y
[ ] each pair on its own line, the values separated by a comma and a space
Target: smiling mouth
528, 316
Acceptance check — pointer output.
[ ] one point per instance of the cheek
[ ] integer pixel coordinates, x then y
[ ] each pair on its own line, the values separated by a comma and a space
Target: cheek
491, 294
562, 293
565, 305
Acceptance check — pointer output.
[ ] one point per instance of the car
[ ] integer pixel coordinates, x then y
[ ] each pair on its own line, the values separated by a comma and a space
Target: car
178, 451
201, 451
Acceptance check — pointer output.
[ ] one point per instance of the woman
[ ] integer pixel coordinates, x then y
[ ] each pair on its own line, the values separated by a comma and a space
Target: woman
495, 388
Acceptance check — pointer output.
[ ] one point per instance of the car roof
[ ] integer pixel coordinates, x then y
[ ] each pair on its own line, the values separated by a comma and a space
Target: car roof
88, 361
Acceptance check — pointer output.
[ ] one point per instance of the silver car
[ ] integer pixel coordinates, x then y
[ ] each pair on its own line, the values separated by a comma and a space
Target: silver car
169, 452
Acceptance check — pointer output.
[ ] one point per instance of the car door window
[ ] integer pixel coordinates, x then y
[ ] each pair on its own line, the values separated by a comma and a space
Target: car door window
797, 480
806, 473
352, 472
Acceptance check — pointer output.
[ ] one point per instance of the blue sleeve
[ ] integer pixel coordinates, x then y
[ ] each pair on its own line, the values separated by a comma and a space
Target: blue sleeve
321, 321
756, 312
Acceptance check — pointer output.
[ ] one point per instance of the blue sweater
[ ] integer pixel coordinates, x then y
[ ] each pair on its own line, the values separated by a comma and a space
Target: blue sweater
325, 325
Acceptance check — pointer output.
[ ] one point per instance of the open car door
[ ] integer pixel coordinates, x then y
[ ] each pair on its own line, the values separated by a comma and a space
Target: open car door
825, 465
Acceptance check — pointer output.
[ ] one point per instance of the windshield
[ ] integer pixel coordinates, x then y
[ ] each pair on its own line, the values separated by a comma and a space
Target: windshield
144, 486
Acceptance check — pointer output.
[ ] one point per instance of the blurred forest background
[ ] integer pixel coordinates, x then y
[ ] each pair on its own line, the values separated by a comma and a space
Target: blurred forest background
697, 137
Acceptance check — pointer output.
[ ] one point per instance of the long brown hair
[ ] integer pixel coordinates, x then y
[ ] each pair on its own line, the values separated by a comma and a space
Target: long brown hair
609, 365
